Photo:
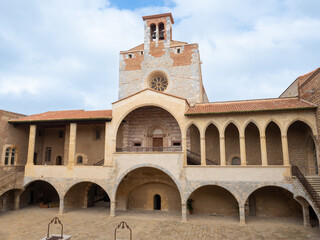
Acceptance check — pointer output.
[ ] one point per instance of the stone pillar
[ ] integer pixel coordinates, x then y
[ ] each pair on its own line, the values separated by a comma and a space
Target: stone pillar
106, 148
285, 150
243, 151
4, 203
263, 145
72, 144
112, 209
306, 216
61, 206
222, 151
157, 33
183, 212
16, 204
31, 145
184, 149
242, 216
203, 151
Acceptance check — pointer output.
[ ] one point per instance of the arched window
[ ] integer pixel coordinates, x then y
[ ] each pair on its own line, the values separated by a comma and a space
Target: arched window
161, 31
157, 202
6, 159
153, 34
236, 161
79, 159
13, 156
59, 160
98, 134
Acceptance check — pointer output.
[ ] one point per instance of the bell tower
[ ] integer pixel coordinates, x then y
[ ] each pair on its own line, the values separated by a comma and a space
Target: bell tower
161, 63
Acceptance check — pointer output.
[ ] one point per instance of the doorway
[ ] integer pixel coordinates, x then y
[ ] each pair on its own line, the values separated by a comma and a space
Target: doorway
157, 144
157, 202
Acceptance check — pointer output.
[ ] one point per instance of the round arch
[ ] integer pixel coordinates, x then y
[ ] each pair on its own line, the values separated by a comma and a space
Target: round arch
117, 124
89, 181
122, 176
59, 191
235, 195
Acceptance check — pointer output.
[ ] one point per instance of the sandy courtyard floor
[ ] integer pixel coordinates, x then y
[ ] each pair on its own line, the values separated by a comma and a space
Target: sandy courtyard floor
95, 223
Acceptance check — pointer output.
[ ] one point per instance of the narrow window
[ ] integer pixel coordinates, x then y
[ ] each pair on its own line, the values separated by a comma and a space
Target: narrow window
176, 144
48, 154
13, 156
60, 135
161, 31
153, 33
79, 160
59, 160
178, 50
6, 159
236, 161
130, 55
141, 52
98, 134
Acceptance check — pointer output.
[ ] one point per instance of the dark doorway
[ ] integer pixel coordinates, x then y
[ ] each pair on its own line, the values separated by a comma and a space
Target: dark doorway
157, 202
59, 160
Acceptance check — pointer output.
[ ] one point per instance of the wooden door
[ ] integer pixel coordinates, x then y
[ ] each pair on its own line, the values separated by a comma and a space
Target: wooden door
157, 144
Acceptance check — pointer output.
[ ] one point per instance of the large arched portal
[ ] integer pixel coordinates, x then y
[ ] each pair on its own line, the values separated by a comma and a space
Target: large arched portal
40, 193
148, 129
214, 200
86, 194
272, 201
148, 188
302, 152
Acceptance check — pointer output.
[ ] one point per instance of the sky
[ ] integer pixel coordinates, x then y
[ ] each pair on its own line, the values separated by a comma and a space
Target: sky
64, 54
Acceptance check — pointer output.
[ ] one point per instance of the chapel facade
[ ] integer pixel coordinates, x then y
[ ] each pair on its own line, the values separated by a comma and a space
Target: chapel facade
164, 147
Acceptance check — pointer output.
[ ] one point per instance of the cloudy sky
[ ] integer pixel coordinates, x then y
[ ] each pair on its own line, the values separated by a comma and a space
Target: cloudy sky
64, 54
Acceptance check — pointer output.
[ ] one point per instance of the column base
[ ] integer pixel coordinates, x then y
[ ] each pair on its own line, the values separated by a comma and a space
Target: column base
242, 223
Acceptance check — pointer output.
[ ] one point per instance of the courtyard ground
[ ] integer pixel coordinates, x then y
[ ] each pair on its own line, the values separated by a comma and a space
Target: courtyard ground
94, 223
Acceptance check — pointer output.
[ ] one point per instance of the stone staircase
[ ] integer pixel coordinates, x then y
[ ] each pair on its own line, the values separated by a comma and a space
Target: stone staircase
12, 179
315, 183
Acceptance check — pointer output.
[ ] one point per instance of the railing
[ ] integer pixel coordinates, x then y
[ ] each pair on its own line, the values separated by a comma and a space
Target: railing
195, 159
313, 194
9, 179
150, 149
99, 163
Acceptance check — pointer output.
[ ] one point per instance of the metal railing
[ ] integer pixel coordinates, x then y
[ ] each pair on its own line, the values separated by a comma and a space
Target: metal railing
150, 149
99, 163
310, 190
195, 159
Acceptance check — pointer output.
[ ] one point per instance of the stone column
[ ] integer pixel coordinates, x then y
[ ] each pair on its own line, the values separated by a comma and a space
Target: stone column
61, 206
183, 212
203, 151
184, 149
106, 148
31, 145
243, 151
242, 216
285, 150
222, 151
72, 144
112, 209
263, 145
16, 205
4, 203
306, 216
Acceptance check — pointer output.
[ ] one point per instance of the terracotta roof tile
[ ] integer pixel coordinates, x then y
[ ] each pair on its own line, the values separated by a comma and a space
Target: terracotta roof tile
305, 77
66, 115
250, 106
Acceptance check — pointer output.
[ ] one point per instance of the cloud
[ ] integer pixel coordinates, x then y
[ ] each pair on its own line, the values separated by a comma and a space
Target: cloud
64, 54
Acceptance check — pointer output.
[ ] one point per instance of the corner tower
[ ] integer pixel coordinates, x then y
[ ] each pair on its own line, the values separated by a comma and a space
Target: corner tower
161, 63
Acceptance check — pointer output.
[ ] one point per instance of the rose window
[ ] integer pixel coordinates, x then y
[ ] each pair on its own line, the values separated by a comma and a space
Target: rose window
159, 83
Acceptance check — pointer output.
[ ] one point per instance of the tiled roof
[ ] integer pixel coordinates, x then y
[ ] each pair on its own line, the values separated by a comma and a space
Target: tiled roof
141, 46
66, 116
305, 77
250, 106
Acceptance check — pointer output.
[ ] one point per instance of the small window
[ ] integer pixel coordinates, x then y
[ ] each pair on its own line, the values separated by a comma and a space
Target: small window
79, 160
176, 144
161, 31
130, 55
137, 144
141, 52
40, 133
178, 50
236, 161
6, 159
48, 154
153, 33
61, 133
13, 156
98, 134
